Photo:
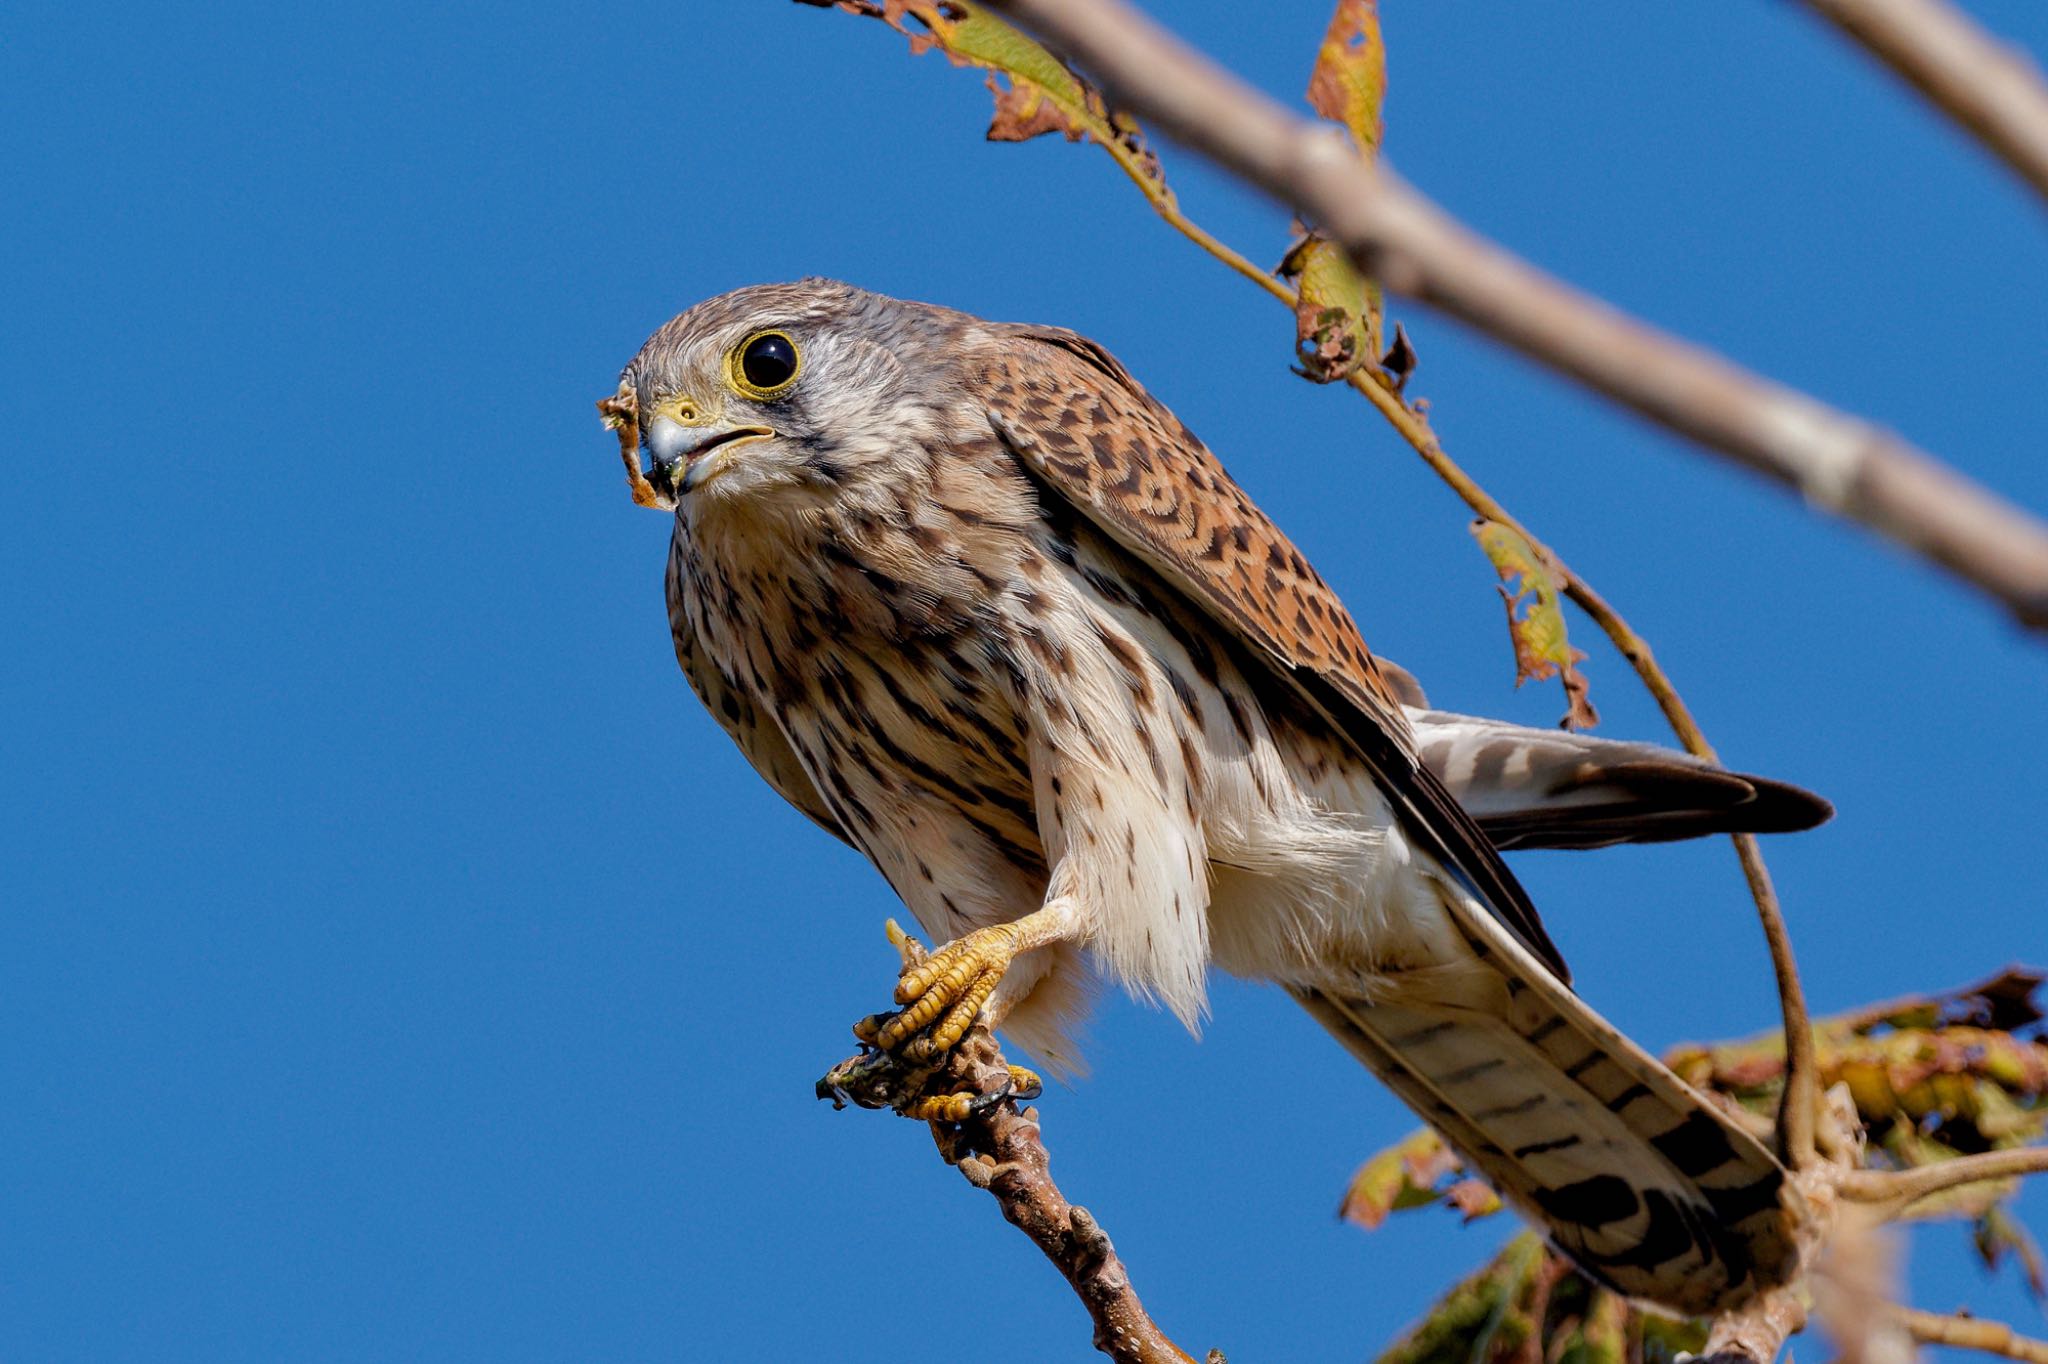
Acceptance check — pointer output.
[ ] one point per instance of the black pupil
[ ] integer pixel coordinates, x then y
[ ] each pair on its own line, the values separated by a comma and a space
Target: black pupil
768, 361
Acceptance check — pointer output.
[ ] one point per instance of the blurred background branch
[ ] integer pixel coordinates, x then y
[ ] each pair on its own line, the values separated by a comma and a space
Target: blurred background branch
1840, 463
1993, 91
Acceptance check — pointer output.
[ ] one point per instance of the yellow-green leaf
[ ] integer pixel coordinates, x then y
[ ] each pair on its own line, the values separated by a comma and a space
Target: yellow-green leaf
1042, 94
1535, 607
1349, 83
1337, 310
1405, 1175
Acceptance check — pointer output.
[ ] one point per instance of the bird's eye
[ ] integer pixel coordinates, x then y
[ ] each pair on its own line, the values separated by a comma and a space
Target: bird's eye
765, 365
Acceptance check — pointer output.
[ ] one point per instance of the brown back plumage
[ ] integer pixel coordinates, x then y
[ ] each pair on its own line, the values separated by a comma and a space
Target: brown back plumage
1079, 422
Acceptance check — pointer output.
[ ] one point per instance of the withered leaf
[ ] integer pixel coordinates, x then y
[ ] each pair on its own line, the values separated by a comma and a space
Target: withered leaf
1473, 1197
1535, 608
1035, 92
1999, 1234
1400, 360
1336, 312
1405, 1175
1349, 83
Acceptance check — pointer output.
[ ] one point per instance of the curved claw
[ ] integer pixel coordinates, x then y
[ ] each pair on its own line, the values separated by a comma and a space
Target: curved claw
1025, 1084
958, 1108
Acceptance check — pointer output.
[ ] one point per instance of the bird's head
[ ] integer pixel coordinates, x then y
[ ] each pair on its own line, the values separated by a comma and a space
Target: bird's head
786, 395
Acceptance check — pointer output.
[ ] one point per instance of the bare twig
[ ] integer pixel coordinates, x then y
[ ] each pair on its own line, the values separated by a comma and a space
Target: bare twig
1757, 1331
1972, 1333
997, 1147
1898, 1188
1836, 461
1991, 89
1802, 1071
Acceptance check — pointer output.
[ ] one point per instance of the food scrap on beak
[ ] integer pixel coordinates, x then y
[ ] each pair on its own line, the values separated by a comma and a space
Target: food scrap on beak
622, 414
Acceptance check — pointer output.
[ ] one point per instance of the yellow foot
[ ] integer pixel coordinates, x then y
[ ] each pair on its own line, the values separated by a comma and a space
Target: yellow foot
1024, 1084
958, 1108
943, 992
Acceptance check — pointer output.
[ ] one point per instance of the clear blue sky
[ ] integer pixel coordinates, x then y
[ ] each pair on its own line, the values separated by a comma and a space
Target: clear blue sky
383, 916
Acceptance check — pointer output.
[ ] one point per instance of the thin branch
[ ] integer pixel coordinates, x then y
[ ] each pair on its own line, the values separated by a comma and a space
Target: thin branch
980, 1130
1796, 1106
1972, 1333
1991, 89
1412, 247
1898, 1188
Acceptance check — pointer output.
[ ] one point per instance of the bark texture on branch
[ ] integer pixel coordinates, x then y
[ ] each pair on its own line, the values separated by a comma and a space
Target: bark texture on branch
1836, 461
996, 1145
1991, 89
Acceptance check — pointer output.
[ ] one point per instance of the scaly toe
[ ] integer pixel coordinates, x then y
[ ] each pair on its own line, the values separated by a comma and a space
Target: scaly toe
948, 1108
960, 1017
945, 992
954, 966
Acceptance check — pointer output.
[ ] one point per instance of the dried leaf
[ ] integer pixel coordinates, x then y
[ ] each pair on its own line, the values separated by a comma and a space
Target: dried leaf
1336, 312
1473, 1197
1041, 95
1400, 360
1349, 83
1535, 609
1023, 112
1405, 1175
2003, 1003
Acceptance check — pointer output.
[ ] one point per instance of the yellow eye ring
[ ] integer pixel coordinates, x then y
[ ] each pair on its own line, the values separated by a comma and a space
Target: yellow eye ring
763, 366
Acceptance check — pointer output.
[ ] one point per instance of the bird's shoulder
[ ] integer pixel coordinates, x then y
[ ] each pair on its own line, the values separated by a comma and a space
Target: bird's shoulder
1078, 421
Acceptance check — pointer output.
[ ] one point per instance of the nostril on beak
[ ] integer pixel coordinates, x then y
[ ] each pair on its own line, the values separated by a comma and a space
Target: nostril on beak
670, 442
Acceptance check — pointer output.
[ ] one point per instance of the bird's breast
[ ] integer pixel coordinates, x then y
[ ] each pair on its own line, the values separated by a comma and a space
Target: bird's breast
895, 688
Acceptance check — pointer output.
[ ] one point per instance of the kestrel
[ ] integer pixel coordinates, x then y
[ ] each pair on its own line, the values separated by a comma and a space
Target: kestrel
975, 602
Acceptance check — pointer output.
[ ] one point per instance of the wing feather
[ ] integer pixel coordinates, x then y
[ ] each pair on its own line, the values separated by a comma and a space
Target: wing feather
1082, 426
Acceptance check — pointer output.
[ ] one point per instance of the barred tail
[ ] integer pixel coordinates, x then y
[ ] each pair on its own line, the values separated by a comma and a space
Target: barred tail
1650, 1188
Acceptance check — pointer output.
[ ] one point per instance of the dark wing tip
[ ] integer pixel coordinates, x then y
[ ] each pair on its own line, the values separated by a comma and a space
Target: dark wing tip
1782, 808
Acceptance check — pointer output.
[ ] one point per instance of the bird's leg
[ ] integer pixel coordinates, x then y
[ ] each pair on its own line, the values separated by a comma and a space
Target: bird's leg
947, 990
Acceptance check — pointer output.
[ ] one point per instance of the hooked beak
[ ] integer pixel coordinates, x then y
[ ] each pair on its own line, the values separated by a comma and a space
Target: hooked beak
691, 456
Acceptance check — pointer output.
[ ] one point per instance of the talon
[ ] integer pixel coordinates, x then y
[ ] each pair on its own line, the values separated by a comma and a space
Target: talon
1025, 1084
909, 948
949, 989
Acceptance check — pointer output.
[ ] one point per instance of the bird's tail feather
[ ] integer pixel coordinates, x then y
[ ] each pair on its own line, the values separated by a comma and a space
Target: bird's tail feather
1640, 1180
1550, 788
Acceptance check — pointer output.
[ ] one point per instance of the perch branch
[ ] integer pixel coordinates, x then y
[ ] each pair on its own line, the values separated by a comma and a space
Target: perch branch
1802, 1069
1972, 1333
981, 1131
1991, 89
1394, 234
